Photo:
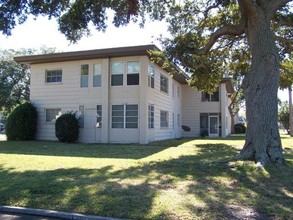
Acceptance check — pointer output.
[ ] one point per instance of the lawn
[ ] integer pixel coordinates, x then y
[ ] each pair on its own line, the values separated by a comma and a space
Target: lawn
163, 180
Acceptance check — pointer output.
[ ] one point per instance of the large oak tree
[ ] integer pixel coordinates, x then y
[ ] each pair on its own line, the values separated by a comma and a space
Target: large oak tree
204, 35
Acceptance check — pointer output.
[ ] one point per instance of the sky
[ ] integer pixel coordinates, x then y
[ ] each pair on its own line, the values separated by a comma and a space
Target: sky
39, 32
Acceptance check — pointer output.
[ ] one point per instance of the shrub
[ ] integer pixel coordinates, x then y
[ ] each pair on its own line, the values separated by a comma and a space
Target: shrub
21, 123
66, 127
240, 128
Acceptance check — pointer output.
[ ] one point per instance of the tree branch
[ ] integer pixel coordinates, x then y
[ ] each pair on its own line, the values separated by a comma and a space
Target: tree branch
287, 42
275, 4
225, 30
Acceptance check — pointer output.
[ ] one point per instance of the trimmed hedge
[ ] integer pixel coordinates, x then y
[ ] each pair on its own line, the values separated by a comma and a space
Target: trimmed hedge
239, 128
21, 124
67, 128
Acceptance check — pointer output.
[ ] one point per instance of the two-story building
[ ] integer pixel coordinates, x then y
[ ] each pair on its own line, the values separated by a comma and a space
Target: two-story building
120, 96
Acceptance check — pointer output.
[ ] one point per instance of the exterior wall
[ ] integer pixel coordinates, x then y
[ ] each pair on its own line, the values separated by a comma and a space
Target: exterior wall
193, 106
68, 96
170, 102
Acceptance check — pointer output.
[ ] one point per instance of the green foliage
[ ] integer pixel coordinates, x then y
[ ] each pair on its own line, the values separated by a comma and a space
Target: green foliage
284, 116
21, 123
240, 128
67, 128
286, 75
15, 77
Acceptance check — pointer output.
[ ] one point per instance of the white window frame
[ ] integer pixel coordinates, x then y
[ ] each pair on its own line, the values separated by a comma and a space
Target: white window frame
115, 73
151, 116
127, 117
97, 75
57, 78
165, 123
51, 114
84, 76
132, 72
151, 76
164, 84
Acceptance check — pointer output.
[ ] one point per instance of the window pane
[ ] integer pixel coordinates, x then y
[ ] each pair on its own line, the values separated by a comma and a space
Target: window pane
131, 116
84, 70
52, 114
133, 67
164, 84
97, 69
116, 80
53, 76
117, 125
117, 68
118, 107
97, 81
151, 70
84, 81
132, 79
164, 119
99, 116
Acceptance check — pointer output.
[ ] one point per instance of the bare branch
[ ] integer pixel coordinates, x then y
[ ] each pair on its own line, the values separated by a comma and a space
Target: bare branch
225, 30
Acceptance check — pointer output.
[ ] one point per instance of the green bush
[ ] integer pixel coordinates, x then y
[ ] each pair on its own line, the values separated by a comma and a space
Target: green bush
240, 128
66, 127
21, 123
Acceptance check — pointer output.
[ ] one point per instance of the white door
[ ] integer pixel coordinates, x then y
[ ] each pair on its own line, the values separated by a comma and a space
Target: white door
213, 126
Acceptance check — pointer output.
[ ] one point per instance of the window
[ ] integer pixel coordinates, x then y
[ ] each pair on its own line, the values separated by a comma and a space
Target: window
151, 76
84, 75
131, 116
97, 75
117, 71
164, 83
151, 116
164, 119
99, 116
53, 76
52, 114
124, 116
214, 97
117, 116
81, 116
133, 73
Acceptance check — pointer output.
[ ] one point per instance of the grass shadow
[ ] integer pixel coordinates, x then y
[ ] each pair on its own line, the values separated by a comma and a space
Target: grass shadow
50, 148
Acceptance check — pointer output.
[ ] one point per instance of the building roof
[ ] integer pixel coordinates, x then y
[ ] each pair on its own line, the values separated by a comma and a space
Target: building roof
97, 54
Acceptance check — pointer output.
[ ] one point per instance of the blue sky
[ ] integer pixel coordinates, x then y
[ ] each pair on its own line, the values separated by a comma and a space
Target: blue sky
35, 33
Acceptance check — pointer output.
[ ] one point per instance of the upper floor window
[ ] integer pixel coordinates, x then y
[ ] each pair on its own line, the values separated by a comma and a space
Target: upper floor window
52, 114
117, 71
214, 97
97, 75
53, 76
164, 83
84, 75
133, 73
151, 76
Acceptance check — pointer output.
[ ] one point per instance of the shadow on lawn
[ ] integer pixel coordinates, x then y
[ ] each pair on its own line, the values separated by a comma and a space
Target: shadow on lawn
131, 193
50, 148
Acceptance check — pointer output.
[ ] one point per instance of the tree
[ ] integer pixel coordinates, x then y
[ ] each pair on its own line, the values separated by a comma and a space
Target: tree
204, 33
15, 77
14, 81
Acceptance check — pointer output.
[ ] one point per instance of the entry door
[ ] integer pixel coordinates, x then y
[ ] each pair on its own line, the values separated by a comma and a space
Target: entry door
214, 126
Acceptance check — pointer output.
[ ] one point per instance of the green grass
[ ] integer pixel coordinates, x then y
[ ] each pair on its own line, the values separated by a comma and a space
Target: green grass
164, 180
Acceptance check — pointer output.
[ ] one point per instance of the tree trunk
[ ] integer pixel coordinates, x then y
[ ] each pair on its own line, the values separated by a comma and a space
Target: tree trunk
263, 142
290, 112
232, 120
